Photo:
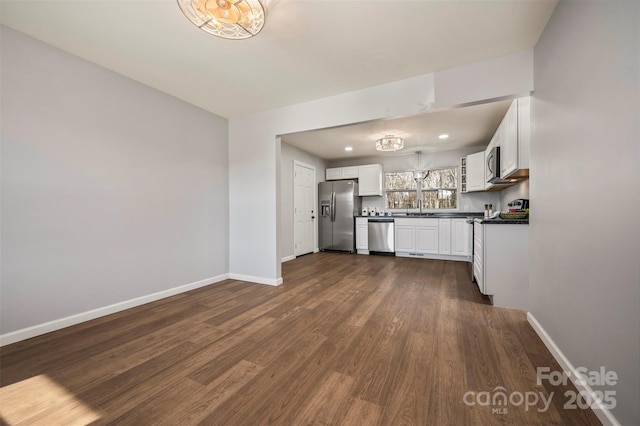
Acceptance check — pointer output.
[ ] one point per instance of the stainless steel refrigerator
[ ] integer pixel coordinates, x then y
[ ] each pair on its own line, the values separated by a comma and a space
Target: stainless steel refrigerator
339, 204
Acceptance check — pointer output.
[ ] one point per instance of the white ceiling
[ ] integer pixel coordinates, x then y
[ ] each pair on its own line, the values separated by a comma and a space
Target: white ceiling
467, 127
309, 49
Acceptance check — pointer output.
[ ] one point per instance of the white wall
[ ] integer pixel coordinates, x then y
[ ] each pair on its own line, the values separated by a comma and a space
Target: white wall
585, 154
110, 190
472, 202
289, 154
519, 190
253, 150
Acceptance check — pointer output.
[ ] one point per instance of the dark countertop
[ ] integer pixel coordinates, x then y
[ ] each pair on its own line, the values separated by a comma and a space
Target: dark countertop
499, 221
451, 215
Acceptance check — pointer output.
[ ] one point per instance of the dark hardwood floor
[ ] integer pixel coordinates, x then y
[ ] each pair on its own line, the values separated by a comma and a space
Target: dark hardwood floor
347, 339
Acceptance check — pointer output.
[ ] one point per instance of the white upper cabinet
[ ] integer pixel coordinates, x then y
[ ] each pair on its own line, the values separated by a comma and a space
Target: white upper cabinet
370, 180
337, 173
515, 139
475, 172
333, 174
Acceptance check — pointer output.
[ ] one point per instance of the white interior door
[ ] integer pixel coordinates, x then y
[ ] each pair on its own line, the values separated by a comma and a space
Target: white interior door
304, 214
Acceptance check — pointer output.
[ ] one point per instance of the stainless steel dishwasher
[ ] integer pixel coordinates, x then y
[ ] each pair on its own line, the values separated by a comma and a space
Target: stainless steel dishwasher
381, 236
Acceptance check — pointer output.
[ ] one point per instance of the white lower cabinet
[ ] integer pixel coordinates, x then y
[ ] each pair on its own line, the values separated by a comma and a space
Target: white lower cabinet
427, 238
362, 235
405, 238
460, 237
432, 238
416, 237
444, 233
501, 263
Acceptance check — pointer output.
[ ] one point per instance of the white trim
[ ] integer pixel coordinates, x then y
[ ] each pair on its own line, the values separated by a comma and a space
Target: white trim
287, 258
47, 327
257, 280
603, 413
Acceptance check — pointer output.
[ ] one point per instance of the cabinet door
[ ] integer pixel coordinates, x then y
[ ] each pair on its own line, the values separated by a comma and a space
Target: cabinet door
427, 239
509, 141
333, 174
350, 172
475, 172
405, 238
370, 180
362, 234
460, 237
444, 236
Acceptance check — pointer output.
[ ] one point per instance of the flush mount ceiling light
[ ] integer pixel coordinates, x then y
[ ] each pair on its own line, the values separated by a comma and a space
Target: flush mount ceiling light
443, 136
389, 143
230, 19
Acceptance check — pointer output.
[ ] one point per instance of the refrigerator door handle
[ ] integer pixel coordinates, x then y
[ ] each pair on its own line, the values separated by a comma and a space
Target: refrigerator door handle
333, 207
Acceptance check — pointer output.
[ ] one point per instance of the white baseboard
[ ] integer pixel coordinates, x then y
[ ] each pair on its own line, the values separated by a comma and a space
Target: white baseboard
47, 327
257, 280
603, 413
287, 258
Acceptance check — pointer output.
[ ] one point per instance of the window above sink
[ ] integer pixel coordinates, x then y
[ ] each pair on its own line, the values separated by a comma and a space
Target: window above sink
438, 191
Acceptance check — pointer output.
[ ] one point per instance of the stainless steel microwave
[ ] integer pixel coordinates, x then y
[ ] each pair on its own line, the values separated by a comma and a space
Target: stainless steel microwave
493, 165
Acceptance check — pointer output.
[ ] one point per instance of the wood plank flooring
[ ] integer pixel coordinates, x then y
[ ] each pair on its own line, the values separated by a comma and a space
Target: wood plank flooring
347, 339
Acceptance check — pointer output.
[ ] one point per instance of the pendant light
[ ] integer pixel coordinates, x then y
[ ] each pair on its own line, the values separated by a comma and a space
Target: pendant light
419, 174
230, 19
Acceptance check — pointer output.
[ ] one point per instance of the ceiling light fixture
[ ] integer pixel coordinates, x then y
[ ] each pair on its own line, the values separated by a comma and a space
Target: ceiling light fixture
348, 148
230, 19
443, 136
390, 143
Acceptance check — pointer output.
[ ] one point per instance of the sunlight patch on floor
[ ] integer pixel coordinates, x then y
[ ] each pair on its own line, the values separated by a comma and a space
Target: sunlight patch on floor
40, 400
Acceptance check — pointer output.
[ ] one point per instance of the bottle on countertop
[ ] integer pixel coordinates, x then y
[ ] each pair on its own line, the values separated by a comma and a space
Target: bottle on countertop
490, 210
486, 211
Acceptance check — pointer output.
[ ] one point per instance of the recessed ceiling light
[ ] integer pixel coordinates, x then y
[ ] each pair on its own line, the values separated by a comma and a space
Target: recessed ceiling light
349, 148
443, 136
